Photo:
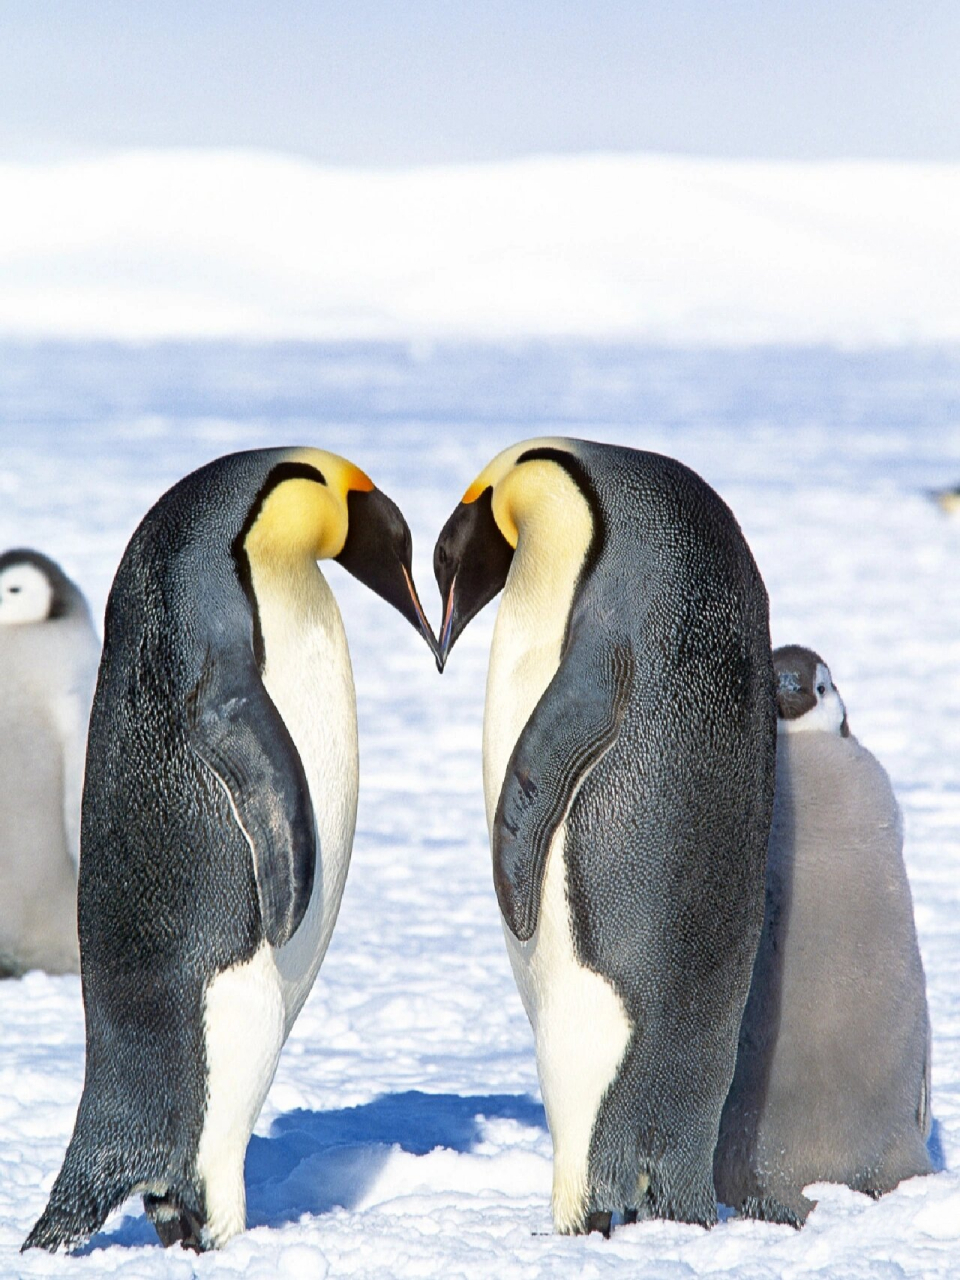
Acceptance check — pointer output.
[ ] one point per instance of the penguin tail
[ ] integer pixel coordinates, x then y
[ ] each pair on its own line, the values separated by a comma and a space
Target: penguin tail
59, 1225
85, 1192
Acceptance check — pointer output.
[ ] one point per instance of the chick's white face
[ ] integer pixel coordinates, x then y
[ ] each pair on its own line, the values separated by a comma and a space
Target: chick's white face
827, 716
25, 595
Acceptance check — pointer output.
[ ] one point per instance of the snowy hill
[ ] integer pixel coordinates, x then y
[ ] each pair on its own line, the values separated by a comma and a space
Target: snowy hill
644, 248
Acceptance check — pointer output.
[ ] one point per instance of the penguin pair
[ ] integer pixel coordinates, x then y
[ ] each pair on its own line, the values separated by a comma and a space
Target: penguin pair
629, 749
628, 768
832, 1081
48, 663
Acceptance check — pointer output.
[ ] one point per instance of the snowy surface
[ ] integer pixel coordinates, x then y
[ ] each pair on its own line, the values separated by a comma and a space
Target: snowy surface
404, 1134
639, 247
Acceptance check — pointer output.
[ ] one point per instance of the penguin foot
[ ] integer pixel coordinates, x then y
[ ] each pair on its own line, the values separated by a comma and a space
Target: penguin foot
173, 1224
600, 1222
630, 1216
770, 1209
873, 1192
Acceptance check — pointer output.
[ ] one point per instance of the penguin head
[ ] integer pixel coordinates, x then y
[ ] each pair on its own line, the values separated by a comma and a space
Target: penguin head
807, 698
315, 505
35, 589
536, 484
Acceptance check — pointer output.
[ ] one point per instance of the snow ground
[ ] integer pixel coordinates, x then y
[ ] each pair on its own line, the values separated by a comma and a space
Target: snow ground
643, 247
404, 1135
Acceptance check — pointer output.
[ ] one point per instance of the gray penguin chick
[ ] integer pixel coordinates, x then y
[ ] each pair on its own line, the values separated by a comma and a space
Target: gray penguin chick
833, 1070
48, 666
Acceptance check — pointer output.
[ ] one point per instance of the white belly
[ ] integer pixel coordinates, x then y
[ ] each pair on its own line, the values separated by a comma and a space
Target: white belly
580, 1026
311, 683
251, 1007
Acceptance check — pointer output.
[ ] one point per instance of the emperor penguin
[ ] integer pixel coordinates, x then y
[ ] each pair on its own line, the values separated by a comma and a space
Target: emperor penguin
948, 500
48, 664
628, 768
218, 818
833, 1073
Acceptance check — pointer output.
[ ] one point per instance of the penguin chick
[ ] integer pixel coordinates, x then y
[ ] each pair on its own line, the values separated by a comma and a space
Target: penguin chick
628, 767
48, 664
218, 819
833, 1073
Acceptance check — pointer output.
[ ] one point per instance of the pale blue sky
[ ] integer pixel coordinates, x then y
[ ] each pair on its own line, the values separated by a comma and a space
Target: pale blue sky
376, 82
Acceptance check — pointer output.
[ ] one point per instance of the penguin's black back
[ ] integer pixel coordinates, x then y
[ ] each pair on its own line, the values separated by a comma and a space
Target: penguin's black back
167, 893
666, 840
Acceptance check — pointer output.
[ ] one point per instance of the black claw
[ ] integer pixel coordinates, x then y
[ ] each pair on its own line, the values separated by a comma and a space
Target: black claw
173, 1224
600, 1222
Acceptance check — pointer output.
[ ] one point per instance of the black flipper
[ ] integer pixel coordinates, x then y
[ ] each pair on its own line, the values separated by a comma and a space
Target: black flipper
237, 732
573, 725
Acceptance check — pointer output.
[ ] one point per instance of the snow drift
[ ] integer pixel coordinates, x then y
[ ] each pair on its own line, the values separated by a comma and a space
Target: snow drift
157, 244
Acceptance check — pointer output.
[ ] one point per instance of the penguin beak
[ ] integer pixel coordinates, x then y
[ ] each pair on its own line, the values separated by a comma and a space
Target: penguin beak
378, 552
446, 631
470, 561
415, 615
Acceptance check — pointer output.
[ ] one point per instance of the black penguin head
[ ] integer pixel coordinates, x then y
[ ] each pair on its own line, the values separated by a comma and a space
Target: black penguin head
378, 549
470, 561
807, 698
33, 588
320, 506
476, 547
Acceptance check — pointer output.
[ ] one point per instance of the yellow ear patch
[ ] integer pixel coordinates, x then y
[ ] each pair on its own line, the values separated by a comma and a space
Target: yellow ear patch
300, 517
340, 474
475, 490
540, 497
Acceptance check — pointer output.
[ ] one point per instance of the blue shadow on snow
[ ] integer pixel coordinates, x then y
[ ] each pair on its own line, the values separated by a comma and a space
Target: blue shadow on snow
935, 1148
315, 1161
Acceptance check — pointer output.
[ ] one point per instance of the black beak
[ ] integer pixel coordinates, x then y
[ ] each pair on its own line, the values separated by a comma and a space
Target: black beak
378, 553
471, 561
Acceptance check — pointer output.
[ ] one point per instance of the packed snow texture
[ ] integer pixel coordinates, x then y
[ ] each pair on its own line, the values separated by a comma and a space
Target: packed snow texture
404, 1134
640, 247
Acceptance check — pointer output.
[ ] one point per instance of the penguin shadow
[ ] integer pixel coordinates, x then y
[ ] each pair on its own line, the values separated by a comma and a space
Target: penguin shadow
315, 1161
935, 1147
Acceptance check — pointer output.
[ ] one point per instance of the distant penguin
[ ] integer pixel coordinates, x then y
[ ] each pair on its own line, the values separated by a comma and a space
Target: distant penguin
948, 500
628, 762
833, 1073
218, 819
48, 664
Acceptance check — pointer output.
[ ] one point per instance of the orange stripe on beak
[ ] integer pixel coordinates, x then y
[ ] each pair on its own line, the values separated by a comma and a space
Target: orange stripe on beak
425, 628
359, 480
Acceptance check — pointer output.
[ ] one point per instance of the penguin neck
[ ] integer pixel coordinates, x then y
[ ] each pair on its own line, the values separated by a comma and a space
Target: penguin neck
290, 594
554, 535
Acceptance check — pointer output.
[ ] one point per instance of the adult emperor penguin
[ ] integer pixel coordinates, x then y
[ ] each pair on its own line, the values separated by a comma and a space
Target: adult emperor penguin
833, 1072
48, 665
948, 500
218, 818
628, 766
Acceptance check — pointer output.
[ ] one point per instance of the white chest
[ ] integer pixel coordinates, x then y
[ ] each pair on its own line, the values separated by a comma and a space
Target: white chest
579, 1023
524, 657
308, 676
